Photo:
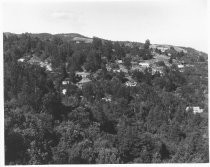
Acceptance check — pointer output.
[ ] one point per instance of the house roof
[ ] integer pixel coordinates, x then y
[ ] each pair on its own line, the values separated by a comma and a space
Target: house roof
83, 74
84, 80
144, 64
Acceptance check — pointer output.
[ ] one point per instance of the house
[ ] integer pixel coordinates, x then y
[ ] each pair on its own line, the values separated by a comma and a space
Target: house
116, 70
82, 74
180, 66
107, 98
83, 81
144, 64
21, 60
194, 109
119, 61
48, 67
65, 82
197, 110
131, 83
64, 91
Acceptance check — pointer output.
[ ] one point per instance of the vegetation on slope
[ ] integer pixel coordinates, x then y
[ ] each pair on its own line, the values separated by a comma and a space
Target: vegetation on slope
102, 120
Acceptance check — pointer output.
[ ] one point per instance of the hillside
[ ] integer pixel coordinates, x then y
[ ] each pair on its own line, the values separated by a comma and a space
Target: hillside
78, 37
71, 99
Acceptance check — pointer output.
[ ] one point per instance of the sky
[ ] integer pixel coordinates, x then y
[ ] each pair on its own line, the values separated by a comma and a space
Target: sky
175, 22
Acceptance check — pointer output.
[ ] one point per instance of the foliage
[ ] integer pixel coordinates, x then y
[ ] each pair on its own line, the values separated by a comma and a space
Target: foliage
102, 120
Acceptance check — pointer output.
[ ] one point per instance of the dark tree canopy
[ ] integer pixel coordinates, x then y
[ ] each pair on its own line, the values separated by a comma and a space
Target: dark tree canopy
93, 107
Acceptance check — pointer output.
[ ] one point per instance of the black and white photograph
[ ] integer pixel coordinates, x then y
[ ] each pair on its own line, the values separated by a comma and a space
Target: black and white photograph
104, 82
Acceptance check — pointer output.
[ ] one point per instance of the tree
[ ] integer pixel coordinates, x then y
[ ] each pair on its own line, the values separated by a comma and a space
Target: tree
201, 59
170, 60
127, 62
107, 50
97, 43
93, 61
119, 51
105, 121
147, 44
76, 61
146, 52
160, 63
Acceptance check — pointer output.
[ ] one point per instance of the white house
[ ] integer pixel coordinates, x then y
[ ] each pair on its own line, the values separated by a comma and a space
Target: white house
82, 74
83, 81
144, 64
64, 91
21, 60
197, 110
107, 99
131, 83
180, 66
119, 61
48, 67
65, 82
194, 109
116, 70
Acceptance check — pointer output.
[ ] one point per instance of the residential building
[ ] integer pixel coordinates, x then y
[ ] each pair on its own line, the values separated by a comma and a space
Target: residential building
83, 81
195, 109
180, 66
144, 64
107, 98
131, 83
21, 60
64, 91
82, 74
65, 82
119, 61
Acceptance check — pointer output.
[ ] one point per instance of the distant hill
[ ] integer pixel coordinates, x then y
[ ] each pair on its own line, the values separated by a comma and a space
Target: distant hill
81, 38
48, 36
74, 37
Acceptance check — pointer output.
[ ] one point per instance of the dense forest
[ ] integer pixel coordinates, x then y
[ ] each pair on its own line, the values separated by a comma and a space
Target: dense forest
56, 116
